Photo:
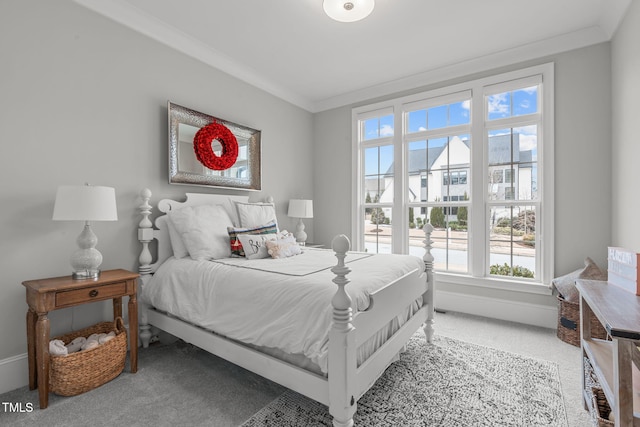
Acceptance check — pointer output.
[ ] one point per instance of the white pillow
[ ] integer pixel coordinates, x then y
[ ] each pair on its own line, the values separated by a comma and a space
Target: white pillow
203, 230
254, 245
179, 250
256, 214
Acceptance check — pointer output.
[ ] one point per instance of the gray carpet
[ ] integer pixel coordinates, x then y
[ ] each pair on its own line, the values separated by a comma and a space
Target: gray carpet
178, 384
448, 383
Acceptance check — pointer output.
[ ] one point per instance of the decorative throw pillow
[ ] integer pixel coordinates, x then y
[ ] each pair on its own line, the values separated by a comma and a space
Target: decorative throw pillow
255, 214
203, 230
234, 232
254, 245
566, 285
591, 271
283, 248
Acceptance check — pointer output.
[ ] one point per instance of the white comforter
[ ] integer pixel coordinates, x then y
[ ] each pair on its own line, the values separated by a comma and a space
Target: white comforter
279, 303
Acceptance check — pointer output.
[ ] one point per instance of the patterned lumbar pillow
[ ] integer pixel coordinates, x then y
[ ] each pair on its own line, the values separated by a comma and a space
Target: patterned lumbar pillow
254, 245
236, 246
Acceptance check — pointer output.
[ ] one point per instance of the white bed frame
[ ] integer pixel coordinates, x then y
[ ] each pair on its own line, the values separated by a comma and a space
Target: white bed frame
346, 382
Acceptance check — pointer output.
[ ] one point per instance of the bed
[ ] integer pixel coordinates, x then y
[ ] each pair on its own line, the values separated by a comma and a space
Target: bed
324, 323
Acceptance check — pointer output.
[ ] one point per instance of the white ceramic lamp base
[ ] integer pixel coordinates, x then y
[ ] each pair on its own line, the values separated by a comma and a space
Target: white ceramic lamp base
86, 260
300, 235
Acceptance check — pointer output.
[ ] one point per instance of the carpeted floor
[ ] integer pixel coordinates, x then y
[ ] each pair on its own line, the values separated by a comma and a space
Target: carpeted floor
447, 383
179, 384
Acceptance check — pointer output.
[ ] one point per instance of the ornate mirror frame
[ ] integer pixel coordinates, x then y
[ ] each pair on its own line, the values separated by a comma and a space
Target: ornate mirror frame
184, 167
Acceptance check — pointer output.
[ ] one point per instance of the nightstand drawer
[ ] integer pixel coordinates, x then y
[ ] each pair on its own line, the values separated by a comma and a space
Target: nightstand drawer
95, 293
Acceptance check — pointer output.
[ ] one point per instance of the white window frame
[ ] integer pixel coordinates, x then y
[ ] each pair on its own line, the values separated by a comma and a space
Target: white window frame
478, 243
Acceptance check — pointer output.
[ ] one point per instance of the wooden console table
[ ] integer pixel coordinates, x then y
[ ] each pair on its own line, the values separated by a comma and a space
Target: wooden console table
45, 295
616, 363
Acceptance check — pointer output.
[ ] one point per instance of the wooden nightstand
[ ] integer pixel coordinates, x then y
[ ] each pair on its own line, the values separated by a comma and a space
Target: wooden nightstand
61, 292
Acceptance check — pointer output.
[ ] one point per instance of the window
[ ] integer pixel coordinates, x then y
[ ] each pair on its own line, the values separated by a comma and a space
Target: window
469, 160
454, 178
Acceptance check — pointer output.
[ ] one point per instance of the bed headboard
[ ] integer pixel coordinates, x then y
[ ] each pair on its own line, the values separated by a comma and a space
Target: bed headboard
148, 231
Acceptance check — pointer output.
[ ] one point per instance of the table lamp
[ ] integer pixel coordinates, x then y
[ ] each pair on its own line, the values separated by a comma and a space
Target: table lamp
299, 208
85, 203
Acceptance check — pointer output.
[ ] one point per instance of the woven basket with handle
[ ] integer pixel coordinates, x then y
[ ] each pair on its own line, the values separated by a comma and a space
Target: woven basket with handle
85, 370
569, 323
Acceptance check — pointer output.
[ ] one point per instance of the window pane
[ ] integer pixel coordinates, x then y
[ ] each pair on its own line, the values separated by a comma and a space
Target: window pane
437, 117
512, 239
499, 106
450, 236
512, 104
437, 166
378, 127
420, 179
378, 166
525, 101
377, 230
451, 160
459, 113
417, 121
513, 154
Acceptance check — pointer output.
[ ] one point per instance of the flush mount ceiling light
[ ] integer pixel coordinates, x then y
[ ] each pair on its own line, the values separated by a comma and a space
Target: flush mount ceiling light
348, 10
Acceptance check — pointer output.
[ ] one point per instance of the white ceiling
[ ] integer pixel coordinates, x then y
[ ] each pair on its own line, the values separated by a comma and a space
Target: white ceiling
291, 49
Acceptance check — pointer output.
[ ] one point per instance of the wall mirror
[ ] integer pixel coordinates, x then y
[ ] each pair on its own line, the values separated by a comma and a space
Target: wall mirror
184, 166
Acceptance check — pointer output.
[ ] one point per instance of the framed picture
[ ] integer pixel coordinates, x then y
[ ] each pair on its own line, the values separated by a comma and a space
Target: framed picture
205, 150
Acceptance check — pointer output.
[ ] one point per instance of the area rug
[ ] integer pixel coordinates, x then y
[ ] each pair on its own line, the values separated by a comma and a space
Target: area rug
447, 383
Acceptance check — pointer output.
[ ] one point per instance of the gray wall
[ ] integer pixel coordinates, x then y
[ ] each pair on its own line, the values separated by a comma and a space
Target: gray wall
582, 164
625, 65
84, 99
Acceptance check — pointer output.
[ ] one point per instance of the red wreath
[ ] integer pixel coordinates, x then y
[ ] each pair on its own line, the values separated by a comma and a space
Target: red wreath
204, 152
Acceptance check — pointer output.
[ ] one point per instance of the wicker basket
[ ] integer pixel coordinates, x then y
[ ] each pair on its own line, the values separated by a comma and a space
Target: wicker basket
85, 370
569, 323
600, 409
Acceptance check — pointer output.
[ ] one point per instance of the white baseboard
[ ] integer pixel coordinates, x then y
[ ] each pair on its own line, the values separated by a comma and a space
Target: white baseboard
14, 373
514, 311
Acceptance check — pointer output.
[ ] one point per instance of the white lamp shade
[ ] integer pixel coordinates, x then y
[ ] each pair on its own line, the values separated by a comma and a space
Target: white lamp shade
299, 208
348, 10
85, 203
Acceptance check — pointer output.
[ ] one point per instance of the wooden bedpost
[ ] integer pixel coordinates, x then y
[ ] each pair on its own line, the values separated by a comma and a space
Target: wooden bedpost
429, 296
145, 236
342, 348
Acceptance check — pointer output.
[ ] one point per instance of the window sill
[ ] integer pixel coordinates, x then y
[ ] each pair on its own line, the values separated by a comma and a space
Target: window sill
510, 285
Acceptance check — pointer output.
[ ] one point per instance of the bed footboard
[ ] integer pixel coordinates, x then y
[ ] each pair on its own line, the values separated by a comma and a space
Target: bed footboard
347, 381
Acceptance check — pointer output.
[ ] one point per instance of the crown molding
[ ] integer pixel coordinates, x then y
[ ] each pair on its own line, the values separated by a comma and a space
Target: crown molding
134, 18
141, 22
574, 40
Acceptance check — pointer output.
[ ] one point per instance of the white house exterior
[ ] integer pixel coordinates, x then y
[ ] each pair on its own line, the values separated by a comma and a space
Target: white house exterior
441, 174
